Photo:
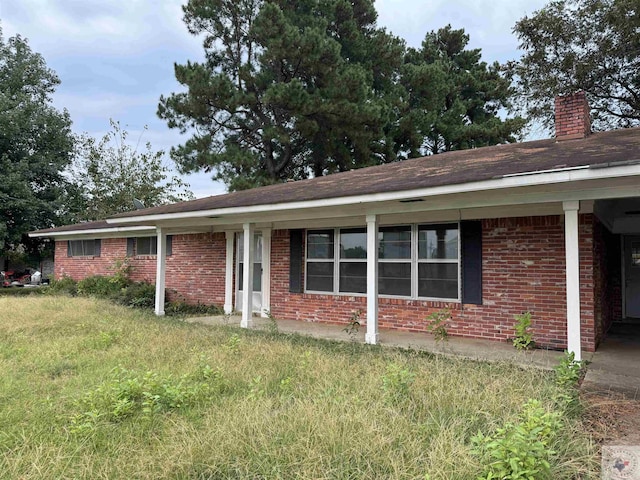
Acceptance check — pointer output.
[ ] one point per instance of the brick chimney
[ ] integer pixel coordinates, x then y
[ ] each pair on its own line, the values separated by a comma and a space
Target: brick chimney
572, 117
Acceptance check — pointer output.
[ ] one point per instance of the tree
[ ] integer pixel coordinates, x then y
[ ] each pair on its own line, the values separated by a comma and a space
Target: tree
590, 45
35, 146
109, 173
454, 99
288, 89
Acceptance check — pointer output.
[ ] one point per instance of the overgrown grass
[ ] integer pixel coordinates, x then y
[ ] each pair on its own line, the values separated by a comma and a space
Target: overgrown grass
167, 399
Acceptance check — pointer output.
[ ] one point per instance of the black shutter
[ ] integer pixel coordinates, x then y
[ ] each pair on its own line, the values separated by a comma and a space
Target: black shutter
169, 245
96, 248
296, 241
131, 245
471, 261
69, 252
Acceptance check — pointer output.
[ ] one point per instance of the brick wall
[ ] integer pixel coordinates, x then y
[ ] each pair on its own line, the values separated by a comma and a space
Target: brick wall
195, 270
523, 269
572, 119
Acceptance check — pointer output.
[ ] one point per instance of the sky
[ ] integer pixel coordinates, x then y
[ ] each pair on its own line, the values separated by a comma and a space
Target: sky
115, 58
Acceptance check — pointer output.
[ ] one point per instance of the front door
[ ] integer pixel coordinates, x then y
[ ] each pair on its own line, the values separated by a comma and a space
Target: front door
632, 276
257, 271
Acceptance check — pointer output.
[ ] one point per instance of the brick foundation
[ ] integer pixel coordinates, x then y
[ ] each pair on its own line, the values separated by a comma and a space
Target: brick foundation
523, 269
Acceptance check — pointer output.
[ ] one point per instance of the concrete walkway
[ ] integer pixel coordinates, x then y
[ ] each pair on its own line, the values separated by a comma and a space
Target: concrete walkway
473, 349
615, 366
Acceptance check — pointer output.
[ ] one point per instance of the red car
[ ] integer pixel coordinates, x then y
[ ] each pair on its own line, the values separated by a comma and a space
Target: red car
11, 278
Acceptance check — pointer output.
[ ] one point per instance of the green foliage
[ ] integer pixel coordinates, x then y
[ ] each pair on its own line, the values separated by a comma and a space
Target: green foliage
438, 323
233, 344
288, 89
572, 45
568, 371
21, 291
521, 449
272, 325
397, 381
454, 98
111, 172
99, 286
523, 339
64, 286
35, 147
353, 327
121, 272
136, 294
128, 393
180, 308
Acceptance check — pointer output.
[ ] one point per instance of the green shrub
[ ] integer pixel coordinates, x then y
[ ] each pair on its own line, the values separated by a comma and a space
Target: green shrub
22, 291
523, 339
137, 294
438, 322
397, 381
98, 286
64, 286
182, 308
520, 450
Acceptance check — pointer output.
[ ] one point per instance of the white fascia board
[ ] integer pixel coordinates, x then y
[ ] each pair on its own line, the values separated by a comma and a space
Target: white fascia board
96, 232
527, 179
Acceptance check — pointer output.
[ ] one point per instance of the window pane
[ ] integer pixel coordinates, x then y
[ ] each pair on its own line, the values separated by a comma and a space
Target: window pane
395, 242
320, 276
76, 248
146, 245
438, 242
320, 244
353, 277
353, 243
394, 279
438, 280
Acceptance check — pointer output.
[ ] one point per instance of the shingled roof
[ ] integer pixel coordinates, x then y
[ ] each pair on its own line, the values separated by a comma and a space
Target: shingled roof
448, 168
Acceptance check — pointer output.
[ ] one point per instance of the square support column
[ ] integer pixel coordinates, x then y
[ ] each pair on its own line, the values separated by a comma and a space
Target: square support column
371, 337
266, 272
161, 270
247, 276
572, 254
228, 274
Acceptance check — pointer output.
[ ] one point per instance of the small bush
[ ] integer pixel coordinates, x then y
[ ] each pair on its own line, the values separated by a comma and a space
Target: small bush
397, 381
520, 450
137, 294
22, 291
98, 286
64, 286
183, 308
524, 338
438, 323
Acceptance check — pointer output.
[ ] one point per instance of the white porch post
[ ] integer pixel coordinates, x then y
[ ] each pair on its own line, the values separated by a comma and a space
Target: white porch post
161, 269
228, 275
266, 271
247, 276
371, 336
572, 253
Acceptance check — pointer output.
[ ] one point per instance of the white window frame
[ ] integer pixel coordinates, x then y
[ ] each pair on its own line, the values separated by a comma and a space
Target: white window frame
415, 261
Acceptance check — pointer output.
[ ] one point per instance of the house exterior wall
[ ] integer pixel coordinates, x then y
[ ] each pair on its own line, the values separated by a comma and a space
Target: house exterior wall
523, 270
195, 270
607, 275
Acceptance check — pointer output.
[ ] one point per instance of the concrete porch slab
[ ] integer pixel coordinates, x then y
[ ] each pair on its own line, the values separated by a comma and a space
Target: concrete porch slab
469, 348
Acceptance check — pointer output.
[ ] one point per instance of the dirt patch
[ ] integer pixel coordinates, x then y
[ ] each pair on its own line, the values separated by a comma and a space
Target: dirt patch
611, 418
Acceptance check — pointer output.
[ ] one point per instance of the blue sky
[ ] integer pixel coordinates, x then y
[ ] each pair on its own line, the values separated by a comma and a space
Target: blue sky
115, 57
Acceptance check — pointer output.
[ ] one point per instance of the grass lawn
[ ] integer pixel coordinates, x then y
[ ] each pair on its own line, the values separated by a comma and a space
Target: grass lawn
93, 390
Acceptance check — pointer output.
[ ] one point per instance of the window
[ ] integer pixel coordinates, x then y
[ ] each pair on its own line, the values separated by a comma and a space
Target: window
438, 261
320, 263
146, 246
83, 248
394, 261
414, 261
353, 261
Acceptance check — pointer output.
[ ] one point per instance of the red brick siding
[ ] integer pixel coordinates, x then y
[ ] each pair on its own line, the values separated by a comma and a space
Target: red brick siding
572, 119
523, 269
195, 270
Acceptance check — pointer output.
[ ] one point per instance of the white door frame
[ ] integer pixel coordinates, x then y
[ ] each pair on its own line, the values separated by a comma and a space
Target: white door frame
265, 283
